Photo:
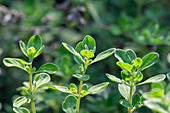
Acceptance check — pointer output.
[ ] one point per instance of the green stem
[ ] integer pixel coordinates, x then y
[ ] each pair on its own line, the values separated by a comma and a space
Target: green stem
79, 97
32, 101
130, 96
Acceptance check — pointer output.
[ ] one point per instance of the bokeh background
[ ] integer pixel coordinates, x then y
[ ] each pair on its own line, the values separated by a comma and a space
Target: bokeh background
141, 25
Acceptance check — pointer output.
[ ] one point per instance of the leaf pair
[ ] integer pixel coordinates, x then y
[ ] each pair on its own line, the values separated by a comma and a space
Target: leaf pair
34, 47
86, 49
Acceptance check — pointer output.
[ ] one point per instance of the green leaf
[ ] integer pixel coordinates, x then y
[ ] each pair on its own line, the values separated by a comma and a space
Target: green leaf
148, 60
13, 62
125, 103
137, 62
35, 41
23, 47
131, 56
73, 88
156, 105
154, 79
40, 79
85, 87
125, 66
136, 99
113, 78
69, 104
39, 51
103, 55
84, 92
25, 90
96, 88
89, 43
87, 54
31, 52
48, 68
124, 75
63, 89
79, 47
139, 77
81, 77
20, 101
71, 49
21, 110
120, 55
125, 90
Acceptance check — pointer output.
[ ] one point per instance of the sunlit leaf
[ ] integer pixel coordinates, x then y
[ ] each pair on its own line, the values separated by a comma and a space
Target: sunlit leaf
63, 89
113, 78
48, 68
103, 55
21, 110
81, 77
87, 54
23, 47
125, 66
154, 79
69, 104
20, 101
35, 41
96, 88
89, 43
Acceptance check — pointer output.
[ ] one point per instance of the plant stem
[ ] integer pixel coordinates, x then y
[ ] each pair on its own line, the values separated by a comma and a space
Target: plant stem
79, 97
32, 101
130, 96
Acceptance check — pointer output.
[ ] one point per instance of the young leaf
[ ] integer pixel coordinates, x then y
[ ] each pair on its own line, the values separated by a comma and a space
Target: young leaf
35, 41
87, 54
81, 77
124, 75
63, 89
71, 49
137, 62
31, 52
157, 78
120, 55
125, 103
13, 62
125, 90
23, 47
130, 56
96, 88
85, 87
139, 77
21, 110
79, 47
39, 51
136, 99
48, 68
84, 92
113, 78
40, 79
103, 55
69, 104
125, 66
90, 43
20, 101
148, 60
73, 88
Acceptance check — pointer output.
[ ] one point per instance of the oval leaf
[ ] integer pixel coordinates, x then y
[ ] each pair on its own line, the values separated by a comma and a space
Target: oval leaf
13, 62
137, 62
131, 56
20, 101
79, 47
136, 99
103, 55
81, 77
125, 66
35, 41
154, 79
148, 60
96, 88
63, 89
23, 47
125, 90
71, 49
21, 110
69, 104
40, 79
125, 103
39, 51
113, 78
49, 68
87, 54
89, 43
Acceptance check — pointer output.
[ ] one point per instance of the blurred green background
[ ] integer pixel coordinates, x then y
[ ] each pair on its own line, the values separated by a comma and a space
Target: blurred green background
141, 25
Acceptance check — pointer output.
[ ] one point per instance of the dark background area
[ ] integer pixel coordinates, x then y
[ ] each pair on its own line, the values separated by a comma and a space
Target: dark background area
141, 25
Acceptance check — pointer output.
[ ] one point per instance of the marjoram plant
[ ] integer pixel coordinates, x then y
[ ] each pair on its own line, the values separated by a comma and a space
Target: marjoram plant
83, 54
33, 49
131, 74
